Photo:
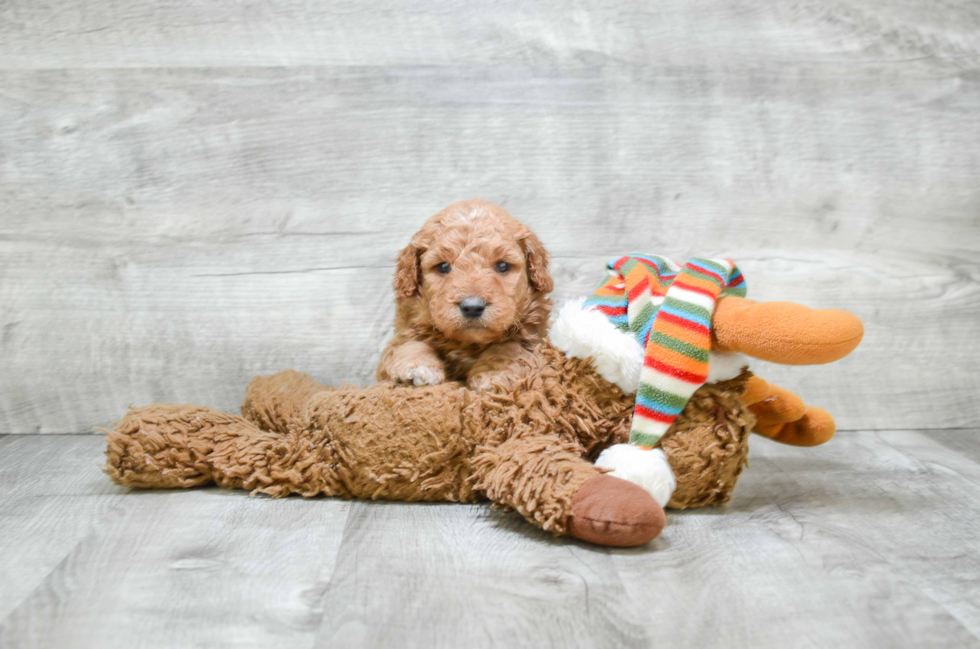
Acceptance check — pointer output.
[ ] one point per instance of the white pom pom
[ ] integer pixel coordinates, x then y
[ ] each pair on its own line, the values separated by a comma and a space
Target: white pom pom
646, 468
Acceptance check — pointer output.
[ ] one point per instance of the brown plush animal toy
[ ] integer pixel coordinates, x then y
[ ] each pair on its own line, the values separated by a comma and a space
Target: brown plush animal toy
527, 445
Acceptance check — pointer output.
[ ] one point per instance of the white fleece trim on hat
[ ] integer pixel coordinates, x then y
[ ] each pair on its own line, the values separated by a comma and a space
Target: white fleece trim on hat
616, 355
723, 366
646, 468
581, 333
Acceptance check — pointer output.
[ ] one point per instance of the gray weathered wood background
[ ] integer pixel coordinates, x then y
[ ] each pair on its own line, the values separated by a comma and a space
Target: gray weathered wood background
195, 192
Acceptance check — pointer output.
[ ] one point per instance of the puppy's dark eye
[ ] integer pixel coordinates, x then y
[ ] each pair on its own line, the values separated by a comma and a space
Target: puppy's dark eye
502, 267
444, 268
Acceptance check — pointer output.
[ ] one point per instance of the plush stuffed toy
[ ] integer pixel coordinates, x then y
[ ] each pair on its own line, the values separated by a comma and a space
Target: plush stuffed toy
640, 399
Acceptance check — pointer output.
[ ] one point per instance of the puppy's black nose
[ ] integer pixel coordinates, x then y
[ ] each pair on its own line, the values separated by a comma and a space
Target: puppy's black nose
472, 307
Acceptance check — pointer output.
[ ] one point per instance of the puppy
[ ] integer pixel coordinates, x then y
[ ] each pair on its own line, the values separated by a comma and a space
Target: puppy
471, 294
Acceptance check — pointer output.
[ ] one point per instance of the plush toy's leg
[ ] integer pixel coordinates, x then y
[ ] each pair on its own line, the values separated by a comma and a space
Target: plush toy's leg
815, 427
707, 446
548, 482
278, 402
784, 332
783, 417
397, 443
417, 443
778, 407
756, 389
166, 446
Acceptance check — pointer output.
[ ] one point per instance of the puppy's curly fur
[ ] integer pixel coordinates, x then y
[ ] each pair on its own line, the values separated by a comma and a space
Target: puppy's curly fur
470, 250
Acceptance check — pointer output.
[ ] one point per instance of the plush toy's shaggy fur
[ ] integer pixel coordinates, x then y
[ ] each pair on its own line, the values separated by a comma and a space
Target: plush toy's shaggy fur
525, 445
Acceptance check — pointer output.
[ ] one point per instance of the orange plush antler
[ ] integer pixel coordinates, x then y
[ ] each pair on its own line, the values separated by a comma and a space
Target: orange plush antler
790, 334
783, 417
784, 332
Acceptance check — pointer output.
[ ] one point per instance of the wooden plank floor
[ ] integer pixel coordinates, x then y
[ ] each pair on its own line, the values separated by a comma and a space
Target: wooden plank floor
869, 541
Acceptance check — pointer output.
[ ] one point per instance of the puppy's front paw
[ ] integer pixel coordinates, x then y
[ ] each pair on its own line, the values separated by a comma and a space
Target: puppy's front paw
421, 375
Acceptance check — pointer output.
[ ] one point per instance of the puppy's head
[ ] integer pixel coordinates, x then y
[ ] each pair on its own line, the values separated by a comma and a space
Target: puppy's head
474, 272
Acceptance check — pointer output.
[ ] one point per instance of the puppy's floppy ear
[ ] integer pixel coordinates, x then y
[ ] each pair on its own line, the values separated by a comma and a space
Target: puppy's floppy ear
537, 263
408, 271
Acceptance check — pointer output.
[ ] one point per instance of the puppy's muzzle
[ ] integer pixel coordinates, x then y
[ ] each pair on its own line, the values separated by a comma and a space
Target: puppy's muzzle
472, 307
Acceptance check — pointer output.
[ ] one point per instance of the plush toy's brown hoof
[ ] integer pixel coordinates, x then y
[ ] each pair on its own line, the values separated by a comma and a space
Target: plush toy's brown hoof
614, 512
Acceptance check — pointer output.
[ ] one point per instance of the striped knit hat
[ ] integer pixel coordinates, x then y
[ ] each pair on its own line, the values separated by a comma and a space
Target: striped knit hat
668, 310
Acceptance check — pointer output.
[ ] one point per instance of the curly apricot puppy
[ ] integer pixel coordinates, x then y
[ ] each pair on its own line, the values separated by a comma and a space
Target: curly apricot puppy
471, 292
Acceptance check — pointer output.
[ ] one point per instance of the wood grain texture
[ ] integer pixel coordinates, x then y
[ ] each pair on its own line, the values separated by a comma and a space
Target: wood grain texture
171, 33
513, 585
261, 564
867, 541
53, 496
853, 545
193, 193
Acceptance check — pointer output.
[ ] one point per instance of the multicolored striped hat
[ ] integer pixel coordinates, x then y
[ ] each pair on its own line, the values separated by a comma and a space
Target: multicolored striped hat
647, 329
668, 309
